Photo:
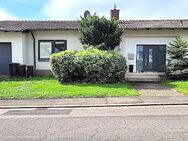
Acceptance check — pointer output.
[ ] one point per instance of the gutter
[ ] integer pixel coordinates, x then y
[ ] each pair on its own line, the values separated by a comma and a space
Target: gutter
34, 52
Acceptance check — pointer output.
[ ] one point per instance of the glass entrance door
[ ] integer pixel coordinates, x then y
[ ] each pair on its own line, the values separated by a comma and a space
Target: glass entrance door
151, 58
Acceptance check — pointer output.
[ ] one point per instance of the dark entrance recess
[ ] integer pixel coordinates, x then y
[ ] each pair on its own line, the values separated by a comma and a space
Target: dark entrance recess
5, 58
151, 58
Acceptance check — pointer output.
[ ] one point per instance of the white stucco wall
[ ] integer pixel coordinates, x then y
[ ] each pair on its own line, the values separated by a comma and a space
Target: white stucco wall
71, 36
25, 47
29, 51
22, 43
131, 38
16, 41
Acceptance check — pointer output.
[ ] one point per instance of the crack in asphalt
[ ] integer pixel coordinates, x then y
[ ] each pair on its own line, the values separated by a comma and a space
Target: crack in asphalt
95, 128
96, 132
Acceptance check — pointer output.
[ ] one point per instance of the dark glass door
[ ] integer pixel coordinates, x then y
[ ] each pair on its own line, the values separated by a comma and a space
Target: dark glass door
150, 58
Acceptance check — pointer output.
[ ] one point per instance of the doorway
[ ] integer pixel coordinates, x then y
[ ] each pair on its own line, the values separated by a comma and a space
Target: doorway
151, 58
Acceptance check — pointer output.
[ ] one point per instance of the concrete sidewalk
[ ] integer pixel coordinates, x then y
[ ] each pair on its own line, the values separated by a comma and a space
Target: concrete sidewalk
95, 102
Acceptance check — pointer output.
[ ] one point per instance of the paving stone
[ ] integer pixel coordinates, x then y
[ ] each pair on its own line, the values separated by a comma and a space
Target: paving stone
155, 89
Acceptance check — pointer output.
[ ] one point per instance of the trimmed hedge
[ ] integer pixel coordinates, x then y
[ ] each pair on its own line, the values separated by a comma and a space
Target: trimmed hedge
90, 66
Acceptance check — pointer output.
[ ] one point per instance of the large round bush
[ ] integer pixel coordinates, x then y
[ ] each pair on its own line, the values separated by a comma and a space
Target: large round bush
90, 65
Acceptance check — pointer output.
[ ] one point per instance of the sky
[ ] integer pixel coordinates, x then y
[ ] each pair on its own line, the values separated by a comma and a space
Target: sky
73, 9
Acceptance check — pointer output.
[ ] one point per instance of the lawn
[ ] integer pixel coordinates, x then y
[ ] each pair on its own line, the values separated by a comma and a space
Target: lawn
48, 87
180, 86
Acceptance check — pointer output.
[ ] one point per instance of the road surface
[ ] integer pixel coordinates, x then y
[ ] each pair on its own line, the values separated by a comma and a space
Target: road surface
151, 123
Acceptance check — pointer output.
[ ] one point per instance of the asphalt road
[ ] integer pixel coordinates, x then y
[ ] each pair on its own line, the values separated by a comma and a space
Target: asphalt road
160, 123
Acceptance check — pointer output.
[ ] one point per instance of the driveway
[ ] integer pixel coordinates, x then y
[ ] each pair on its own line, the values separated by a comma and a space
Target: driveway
155, 89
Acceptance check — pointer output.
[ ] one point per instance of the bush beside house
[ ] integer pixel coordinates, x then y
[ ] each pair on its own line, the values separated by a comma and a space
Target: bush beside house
97, 63
90, 65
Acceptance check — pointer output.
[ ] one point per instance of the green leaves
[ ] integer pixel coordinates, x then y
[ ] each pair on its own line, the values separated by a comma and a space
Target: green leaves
90, 65
98, 31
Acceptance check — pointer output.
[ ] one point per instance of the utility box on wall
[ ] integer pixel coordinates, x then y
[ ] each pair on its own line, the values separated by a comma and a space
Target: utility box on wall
130, 56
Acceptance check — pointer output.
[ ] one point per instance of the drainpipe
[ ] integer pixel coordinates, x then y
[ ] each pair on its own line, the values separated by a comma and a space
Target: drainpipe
34, 52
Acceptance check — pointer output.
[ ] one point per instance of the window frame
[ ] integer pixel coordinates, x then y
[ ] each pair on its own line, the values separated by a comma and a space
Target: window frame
52, 48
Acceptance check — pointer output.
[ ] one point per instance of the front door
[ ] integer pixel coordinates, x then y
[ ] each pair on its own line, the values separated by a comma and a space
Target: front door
151, 58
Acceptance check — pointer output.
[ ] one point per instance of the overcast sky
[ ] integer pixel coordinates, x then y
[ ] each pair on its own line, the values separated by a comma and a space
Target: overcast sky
72, 9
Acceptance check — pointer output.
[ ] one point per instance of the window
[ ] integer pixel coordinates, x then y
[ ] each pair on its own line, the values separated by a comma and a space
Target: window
59, 46
45, 50
139, 58
48, 47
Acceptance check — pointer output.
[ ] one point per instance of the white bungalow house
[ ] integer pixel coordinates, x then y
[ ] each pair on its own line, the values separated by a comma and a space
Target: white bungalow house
32, 42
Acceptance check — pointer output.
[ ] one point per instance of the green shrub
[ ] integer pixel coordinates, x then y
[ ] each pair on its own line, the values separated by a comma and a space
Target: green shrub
63, 66
90, 66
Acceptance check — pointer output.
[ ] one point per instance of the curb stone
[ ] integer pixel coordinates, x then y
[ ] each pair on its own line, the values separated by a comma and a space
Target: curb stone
90, 106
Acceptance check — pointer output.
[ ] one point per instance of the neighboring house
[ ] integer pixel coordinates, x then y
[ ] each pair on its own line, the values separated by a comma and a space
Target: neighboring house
32, 42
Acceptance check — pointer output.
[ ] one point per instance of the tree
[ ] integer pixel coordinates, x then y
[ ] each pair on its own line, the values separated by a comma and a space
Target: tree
177, 66
99, 32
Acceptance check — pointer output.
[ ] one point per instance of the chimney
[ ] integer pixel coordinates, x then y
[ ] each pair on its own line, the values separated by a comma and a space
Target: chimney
114, 13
